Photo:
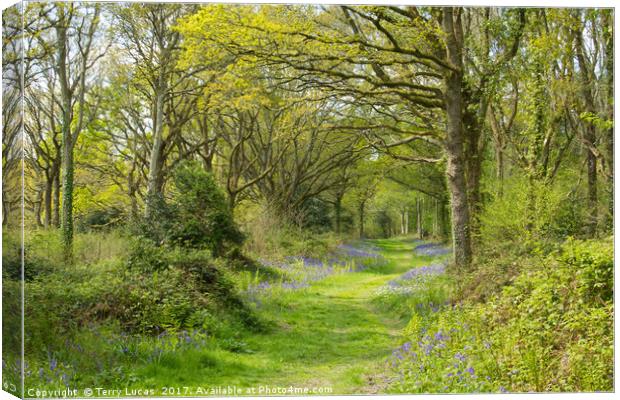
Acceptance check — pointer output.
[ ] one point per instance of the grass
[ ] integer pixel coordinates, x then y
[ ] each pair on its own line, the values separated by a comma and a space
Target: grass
328, 335
389, 327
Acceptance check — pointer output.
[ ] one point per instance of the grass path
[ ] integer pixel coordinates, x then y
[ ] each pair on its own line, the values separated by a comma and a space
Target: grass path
329, 335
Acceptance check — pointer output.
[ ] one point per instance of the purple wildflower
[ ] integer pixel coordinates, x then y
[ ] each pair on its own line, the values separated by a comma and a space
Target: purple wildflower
431, 249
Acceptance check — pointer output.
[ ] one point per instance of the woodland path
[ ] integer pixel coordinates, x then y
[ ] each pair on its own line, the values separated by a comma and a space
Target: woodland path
329, 335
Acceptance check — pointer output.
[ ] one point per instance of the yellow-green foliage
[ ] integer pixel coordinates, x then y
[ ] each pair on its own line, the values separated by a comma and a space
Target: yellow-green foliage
556, 213
555, 323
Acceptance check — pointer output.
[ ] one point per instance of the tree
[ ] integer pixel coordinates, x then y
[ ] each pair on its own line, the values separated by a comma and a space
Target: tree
154, 47
71, 43
12, 92
42, 125
589, 134
389, 65
335, 195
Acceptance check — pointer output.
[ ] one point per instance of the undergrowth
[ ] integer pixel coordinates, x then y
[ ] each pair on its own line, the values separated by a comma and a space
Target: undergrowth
549, 329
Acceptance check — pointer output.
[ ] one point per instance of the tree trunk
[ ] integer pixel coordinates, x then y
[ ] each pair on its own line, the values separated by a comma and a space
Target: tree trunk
498, 144
455, 170
38, 206
207, 162
232, 200
49, 192
5, 208
592, 182
436, 219
472, 121
443, 219
407, 221
155, 163
67, 197
362, 207
530, 203
338, 209
131, 192
589, 135
67, 145
607, 22
418, 214
499, 172
134, 207
56, 219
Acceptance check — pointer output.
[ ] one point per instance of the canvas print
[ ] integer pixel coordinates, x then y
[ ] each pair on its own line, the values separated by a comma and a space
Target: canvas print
295, 200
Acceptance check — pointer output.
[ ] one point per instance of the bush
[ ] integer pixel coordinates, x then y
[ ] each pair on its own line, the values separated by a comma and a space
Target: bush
272, 237
551, 311
197, 217
203, 217
551, 329
316, 215
163, 289
11, 324
594, 265
101, 219
39, 258
556, 215
156, 225
147, 256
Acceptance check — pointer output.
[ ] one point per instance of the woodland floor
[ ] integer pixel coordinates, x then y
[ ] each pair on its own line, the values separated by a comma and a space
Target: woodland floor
329, 335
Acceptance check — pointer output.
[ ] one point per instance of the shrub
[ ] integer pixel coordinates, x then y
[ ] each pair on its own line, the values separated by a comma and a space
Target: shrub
100, 219
42, 254
555, 215
203, 217
146, 256
551, 329
273, 237
156, 225
316, 215
594, 266
198, 216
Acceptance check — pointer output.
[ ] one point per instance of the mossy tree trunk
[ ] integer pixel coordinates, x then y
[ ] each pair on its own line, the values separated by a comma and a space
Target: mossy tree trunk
56, 215
72, 66
607, 22
455, 169
67, 136
589, 131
